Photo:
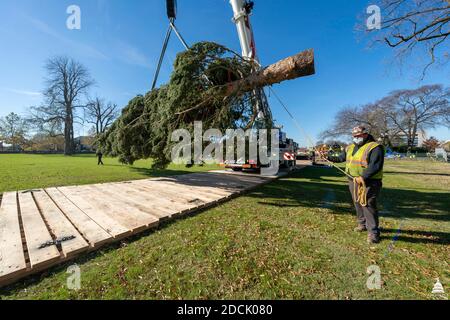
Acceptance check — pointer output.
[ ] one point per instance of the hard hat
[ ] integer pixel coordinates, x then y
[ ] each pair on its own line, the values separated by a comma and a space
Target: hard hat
359, 130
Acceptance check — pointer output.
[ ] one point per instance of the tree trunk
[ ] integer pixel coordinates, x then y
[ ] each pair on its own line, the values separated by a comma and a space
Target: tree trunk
299, 65
68, 133
67, 144
414, 133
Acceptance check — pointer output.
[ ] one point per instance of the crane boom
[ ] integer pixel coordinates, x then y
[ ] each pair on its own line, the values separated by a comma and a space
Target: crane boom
242, 10
241, 18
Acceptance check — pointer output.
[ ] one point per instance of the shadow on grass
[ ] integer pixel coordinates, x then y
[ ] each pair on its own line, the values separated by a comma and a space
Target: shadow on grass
417, 236
315, 187
152, 173
310, 188
88, 256
315, 192
418, 173
401, 204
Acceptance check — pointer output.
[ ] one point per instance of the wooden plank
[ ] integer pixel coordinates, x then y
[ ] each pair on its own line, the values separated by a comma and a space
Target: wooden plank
101, 212
36, 233
208, 186
241, 184
222, 180
130, 217
59, 225
160, 199
187, 193
213, 180
12, 257
127, 208
138, 199
90, 230
186, 200
244, 175
254, 179
198, 187
96, 213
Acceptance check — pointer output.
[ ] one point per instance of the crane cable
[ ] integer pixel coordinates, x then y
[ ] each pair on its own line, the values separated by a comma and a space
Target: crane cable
161, 56
359, 189
172, 27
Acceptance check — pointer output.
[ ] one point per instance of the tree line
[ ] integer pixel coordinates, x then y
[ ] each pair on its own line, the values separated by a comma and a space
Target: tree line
418, 32
415, 31
401, 115
65, 104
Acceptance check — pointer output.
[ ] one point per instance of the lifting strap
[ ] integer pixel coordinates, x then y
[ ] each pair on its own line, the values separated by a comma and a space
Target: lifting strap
171, 28
359, 190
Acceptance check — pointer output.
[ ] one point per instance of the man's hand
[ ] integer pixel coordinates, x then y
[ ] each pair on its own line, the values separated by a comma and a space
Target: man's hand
359, 180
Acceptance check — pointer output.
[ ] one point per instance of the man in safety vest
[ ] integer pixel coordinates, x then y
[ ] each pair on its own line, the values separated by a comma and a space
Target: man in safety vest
365, 161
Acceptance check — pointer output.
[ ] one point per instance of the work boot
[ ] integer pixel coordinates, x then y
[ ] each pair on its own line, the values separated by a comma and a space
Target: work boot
360, 228
373, 239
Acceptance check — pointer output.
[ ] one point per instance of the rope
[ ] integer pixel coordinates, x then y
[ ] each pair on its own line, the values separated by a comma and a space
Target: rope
299, 127
360, 192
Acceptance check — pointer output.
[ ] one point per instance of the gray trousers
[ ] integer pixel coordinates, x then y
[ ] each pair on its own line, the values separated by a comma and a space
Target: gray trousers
368, 216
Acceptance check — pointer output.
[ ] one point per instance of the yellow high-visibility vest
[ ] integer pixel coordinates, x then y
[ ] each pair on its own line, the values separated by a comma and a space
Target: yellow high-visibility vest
358, 163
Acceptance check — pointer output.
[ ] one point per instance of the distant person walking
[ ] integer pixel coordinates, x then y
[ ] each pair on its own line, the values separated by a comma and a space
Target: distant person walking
100, 158
365, 161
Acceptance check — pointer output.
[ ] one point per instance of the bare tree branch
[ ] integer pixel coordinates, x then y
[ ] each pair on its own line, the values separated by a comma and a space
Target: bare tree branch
100, 114
403, 112
419, 27
66, 83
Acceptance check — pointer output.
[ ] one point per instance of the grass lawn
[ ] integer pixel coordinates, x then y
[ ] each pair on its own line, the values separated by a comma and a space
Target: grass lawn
291, 239
23, 172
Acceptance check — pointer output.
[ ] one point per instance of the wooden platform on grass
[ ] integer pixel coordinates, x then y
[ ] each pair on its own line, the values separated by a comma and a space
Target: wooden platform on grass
45, 227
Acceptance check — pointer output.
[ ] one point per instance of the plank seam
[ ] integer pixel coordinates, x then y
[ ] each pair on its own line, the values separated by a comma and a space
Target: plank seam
198, 209
57, 245
22, 234
65, 215
128, 200
70, 200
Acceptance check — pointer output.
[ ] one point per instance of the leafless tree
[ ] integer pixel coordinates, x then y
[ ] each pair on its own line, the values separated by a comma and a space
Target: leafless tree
371, 116
418, 109
66, 83
415, 26
401, 114
100, 114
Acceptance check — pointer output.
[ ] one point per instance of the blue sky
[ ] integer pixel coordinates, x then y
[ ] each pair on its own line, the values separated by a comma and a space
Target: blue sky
120, 41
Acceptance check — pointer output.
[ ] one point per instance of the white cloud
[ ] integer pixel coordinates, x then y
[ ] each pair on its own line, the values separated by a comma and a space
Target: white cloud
124, 51
23, 92
84, 49
133, 55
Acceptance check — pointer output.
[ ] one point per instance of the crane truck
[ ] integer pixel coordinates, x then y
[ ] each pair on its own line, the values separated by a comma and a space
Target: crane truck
242, 10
